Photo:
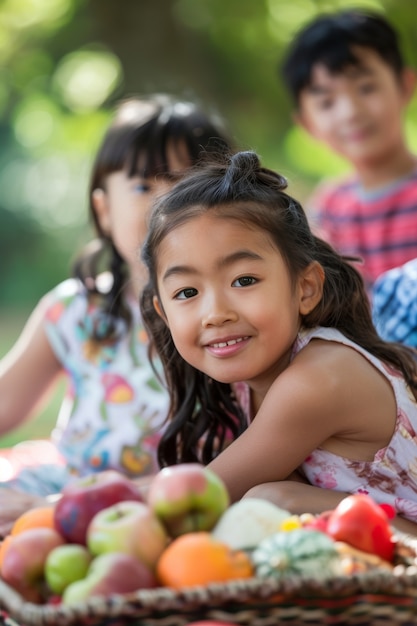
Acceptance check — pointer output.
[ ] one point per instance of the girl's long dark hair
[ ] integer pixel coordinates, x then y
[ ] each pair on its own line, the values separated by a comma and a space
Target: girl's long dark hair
143, 130
239, 188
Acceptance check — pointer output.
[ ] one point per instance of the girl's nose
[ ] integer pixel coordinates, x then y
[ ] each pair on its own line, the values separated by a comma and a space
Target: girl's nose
218, 314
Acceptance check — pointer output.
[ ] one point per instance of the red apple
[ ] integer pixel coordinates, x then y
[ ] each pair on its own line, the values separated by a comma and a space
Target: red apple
359, 521
84, 497
110, 573
24, 557
187, 497
129, 527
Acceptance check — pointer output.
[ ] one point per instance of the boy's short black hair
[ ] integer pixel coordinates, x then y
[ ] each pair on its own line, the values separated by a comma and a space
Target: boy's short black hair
329, 39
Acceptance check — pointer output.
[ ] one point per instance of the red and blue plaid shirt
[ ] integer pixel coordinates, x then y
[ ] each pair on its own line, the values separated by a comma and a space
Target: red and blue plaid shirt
394, 304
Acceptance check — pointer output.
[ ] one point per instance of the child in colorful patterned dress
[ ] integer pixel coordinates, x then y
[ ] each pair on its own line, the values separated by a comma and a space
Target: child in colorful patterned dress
89, 328
243, 298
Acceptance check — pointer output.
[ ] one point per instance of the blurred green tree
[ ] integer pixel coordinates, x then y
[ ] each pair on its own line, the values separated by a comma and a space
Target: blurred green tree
66, 62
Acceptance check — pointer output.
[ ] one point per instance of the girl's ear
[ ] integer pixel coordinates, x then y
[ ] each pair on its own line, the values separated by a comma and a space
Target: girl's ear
158, 308
311, 287
101, 208
409, 79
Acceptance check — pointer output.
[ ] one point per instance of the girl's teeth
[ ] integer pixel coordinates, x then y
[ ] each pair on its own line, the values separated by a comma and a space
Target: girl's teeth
232, 342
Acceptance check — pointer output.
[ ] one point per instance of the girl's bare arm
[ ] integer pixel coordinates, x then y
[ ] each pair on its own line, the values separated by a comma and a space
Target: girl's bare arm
329, 396
27, 371
299, 497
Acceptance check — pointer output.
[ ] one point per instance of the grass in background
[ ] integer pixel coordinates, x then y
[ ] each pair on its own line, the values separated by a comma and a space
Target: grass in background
41, 425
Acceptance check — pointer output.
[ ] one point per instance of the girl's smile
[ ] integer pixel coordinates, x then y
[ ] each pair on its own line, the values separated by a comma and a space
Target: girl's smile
227, 347
225, 313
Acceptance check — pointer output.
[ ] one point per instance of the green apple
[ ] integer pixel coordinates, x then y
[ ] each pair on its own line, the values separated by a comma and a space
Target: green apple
187, 497
108, 574
66, 564
130, 527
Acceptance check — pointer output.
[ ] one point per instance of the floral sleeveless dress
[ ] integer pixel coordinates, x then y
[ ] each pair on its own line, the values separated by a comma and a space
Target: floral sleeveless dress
391, 477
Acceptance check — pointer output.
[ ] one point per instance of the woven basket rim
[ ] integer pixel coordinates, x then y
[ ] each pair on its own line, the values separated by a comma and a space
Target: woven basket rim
399, 583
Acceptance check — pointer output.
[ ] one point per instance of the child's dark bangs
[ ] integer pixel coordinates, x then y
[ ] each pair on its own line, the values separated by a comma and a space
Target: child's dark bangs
336, 56
149, 155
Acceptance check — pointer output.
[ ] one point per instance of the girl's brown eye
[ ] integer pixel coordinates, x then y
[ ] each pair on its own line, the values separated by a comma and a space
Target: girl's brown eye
244, 281
184, 294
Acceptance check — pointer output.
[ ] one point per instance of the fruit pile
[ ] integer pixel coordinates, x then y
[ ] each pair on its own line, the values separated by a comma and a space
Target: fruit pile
103, 536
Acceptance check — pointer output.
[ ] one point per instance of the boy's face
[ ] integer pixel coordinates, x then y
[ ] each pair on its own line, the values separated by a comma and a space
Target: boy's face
359, 112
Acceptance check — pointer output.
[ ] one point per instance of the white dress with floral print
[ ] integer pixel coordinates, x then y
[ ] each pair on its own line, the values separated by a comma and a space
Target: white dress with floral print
114, 408
391, 477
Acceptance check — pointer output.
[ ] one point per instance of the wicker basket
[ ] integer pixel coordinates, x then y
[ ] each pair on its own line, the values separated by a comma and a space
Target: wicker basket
377, 597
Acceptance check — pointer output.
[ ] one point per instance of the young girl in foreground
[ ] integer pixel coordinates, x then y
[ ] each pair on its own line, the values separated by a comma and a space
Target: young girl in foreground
241, 290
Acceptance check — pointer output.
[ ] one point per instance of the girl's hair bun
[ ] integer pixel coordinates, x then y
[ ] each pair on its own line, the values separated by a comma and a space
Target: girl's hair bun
246, 161
242, 166
246, 166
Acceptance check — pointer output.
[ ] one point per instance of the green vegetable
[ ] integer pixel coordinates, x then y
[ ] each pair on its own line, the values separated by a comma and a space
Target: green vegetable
298, 552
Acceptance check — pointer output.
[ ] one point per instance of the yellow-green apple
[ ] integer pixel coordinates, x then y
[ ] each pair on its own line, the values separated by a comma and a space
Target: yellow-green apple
246, 522
84, 497
187, 497
66, 564
129, 527
114, 572
23, 560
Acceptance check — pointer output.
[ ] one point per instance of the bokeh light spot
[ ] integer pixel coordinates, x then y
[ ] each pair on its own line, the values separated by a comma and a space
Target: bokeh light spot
85, 79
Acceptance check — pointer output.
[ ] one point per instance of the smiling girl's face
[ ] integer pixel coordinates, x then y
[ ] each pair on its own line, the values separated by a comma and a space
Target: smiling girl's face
226, 295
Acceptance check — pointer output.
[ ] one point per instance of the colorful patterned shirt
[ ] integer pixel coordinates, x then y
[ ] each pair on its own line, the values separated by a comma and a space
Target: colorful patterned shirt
113, 410
378, 226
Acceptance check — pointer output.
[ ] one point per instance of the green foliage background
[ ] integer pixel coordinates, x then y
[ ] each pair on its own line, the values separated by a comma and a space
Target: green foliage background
64, 64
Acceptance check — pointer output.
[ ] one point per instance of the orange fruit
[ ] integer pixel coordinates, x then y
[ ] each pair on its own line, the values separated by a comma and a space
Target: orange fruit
3, 547
197, 558
39, 517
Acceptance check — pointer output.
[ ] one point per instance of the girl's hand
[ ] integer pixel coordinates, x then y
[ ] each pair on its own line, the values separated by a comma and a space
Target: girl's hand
300, 497
297, 497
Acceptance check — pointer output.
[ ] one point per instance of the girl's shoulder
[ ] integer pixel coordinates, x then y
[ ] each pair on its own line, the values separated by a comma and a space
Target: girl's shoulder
306, 335
335, 358
63, 297
73, 289
69, 288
